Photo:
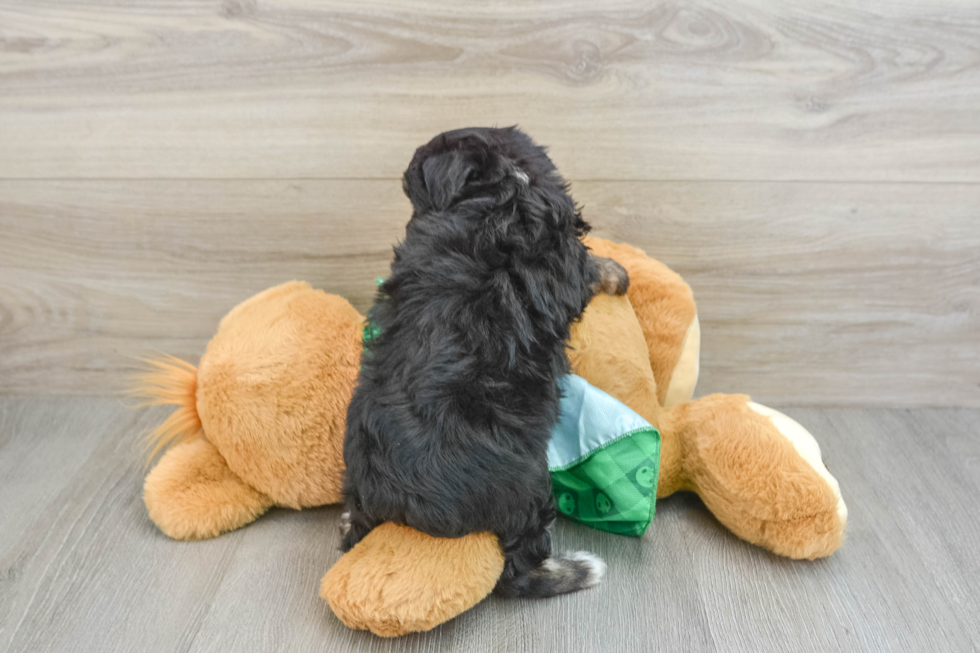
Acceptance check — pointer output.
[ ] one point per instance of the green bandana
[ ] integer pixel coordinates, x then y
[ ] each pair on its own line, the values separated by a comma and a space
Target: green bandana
604, 461
371, 331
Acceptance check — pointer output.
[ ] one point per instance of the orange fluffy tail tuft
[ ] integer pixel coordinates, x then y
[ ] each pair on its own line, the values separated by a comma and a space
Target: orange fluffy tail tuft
169, 381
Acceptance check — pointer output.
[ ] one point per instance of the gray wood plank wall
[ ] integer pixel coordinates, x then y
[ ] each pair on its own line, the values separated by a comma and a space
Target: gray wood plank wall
812, 170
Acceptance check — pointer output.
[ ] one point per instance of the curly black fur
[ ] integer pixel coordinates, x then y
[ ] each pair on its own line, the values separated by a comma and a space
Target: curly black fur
448, 427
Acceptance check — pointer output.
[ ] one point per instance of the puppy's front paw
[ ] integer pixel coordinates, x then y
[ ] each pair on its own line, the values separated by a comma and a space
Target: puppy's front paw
344, 523
613, 278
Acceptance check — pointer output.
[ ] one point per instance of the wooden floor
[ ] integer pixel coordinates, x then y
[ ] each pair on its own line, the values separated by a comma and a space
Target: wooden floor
82, 568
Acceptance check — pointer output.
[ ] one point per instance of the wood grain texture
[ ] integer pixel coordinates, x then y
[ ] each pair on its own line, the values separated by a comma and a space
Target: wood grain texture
625, 89
83, 569
808, 293
860, 294
95, 274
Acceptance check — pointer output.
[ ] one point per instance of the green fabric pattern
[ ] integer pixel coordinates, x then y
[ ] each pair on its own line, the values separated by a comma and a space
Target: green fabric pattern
613, 488
371, 331
604, 461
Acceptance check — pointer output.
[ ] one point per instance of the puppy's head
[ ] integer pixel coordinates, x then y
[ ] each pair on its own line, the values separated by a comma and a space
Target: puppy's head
493, 219
480, 168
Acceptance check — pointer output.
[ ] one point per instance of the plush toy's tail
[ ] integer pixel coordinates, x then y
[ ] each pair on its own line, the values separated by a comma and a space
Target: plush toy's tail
169, 381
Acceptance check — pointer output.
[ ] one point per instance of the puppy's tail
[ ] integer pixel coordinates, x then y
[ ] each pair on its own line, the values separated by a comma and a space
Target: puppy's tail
169, 381
569, 573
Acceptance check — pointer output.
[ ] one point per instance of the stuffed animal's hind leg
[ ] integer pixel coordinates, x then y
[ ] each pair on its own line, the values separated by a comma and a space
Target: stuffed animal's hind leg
192, 494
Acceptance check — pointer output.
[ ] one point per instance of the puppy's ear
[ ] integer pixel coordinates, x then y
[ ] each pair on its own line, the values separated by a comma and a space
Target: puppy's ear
444, 176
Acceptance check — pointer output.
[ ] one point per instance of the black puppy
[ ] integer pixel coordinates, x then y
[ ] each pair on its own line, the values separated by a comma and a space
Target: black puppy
458, 392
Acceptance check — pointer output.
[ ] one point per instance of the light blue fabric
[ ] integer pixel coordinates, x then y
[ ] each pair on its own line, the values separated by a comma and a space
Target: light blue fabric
589, 419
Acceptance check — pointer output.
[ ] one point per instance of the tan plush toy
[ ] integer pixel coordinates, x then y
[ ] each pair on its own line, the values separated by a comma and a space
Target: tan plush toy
260, 423
758, 471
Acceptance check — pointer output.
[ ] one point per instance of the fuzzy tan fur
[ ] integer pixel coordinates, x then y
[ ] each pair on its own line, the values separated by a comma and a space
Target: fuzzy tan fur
192, 495
664, 306
273, 389
398, 580
268, 406
752, 479
746, 470
170, 381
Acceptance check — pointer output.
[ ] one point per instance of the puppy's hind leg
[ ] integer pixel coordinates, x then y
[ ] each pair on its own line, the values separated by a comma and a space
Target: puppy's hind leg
530, 571
613, 278
354, 525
